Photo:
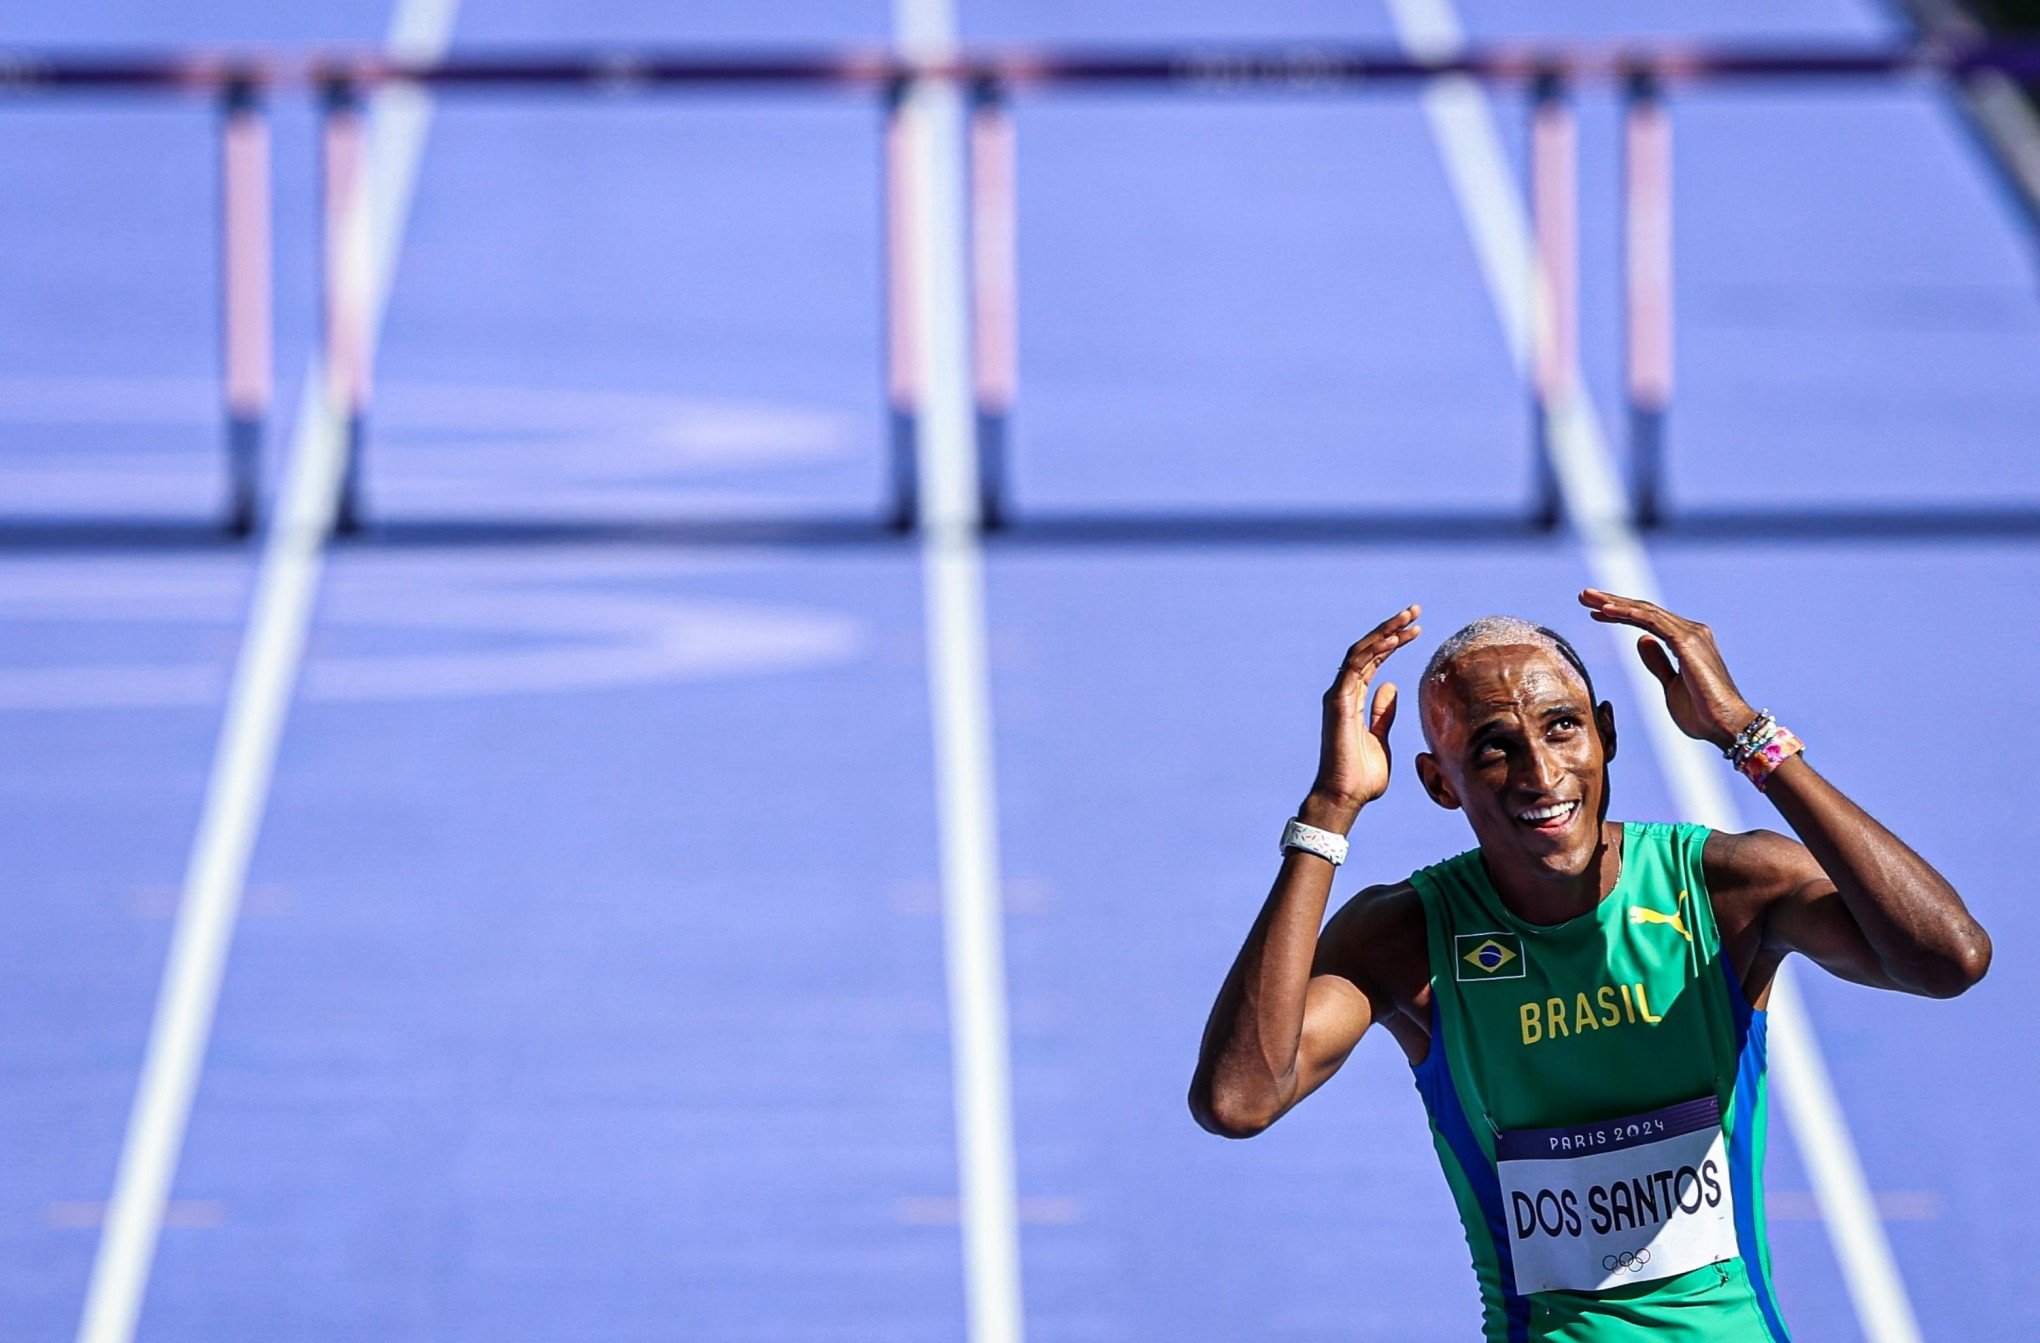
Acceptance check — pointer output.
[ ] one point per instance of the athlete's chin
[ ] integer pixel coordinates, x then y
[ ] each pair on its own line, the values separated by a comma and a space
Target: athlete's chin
1563, 855
1548, 857
1564, 864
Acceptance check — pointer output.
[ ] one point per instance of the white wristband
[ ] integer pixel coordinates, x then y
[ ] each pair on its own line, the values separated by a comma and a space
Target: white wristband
1323, 843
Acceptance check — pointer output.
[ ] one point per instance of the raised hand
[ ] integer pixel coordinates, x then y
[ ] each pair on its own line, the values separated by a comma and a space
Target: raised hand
1353, 759
1699, 692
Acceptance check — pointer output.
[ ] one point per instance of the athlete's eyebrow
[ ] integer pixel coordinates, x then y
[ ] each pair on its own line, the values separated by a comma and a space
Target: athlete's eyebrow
1487, 730
1498, 724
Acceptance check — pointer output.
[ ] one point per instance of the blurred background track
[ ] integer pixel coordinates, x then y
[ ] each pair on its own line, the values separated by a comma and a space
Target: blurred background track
589, 982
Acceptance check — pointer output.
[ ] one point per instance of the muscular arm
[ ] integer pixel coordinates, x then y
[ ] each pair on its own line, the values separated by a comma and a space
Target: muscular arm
1278, 1029
1293, 1006
1851, 896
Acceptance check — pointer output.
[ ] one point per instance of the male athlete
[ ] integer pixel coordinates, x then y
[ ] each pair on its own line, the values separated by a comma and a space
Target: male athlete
1582, 1000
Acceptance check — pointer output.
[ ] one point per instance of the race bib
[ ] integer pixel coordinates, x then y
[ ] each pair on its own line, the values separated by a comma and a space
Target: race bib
1594, 1206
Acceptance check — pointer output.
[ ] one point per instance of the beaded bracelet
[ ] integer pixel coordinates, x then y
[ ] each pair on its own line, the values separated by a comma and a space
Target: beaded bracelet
1751, 737
1775, 749
1754, 743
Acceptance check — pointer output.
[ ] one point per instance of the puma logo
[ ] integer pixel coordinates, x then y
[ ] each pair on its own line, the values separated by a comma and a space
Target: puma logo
1675, 920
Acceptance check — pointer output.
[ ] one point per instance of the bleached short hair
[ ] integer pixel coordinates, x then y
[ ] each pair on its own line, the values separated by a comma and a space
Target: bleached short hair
1496, 632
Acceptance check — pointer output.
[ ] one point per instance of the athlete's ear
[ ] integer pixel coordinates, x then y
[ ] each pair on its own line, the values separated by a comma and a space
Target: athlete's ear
1434, 782
1604, 719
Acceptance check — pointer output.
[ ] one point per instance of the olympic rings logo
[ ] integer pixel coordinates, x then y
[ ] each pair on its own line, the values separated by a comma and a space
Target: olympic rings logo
1631, 1261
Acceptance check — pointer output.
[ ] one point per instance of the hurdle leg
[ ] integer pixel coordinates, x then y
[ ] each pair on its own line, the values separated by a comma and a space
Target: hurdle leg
245, 297
344, 155
1647, 289
902, 343
1555, 283
994, 293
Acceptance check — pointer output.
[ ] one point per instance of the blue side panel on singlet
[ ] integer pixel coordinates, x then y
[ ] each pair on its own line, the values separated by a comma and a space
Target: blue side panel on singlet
1752, 1058
1441, 1098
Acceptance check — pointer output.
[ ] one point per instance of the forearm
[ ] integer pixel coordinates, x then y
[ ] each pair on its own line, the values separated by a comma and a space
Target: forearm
1900, 911
1247, 1066
1923, 935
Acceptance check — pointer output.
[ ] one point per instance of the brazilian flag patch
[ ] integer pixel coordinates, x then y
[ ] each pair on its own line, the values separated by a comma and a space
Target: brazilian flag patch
1488, 956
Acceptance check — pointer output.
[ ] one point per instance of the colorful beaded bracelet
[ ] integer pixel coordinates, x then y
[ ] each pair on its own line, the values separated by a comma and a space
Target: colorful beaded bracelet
1751, 737
1754, 742
1774, 750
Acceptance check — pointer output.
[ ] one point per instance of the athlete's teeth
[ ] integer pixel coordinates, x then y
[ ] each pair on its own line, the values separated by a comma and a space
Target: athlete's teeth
1556, 809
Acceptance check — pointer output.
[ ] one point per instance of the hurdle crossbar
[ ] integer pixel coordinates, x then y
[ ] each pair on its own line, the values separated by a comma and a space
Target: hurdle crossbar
244, 81
1295, 66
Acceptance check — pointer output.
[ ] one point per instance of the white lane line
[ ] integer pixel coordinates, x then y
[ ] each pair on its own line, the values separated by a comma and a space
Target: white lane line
245, 756
1463, 124
953, 581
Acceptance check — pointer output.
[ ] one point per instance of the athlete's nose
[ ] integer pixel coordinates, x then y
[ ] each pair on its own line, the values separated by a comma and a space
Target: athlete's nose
1542, 770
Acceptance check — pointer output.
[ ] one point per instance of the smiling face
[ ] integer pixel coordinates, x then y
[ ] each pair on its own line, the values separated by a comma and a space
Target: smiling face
1518, 745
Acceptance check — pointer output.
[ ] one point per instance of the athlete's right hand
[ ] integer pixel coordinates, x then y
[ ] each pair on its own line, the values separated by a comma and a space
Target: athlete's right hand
1353, 758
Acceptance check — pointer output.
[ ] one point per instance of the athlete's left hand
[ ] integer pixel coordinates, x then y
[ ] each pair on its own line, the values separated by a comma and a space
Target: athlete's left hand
1699, 692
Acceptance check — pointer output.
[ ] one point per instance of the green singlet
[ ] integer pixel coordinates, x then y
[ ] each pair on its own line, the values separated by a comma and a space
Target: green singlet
1596, 1095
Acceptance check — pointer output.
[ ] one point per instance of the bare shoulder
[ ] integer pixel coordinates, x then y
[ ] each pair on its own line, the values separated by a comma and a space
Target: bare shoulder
1376, 939
1748, 872
1758, 865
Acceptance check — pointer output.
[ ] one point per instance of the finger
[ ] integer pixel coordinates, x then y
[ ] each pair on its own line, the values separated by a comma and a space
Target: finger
1368, 654
1383, 644
1401, 618
1382, 648
1385, 700
1386, 636
1657, 661
1612, 610
1598, 600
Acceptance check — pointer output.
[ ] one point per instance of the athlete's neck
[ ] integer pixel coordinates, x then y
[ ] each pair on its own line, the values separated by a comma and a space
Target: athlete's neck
1537, 897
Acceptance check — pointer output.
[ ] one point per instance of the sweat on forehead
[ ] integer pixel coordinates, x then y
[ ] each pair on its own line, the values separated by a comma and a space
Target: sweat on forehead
1496, 632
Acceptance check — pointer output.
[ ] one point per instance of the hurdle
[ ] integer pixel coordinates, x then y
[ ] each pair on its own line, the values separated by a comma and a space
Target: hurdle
902, 343
993, 81
246, 337
1646, 287
344, 249
995, 290
1554, 299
